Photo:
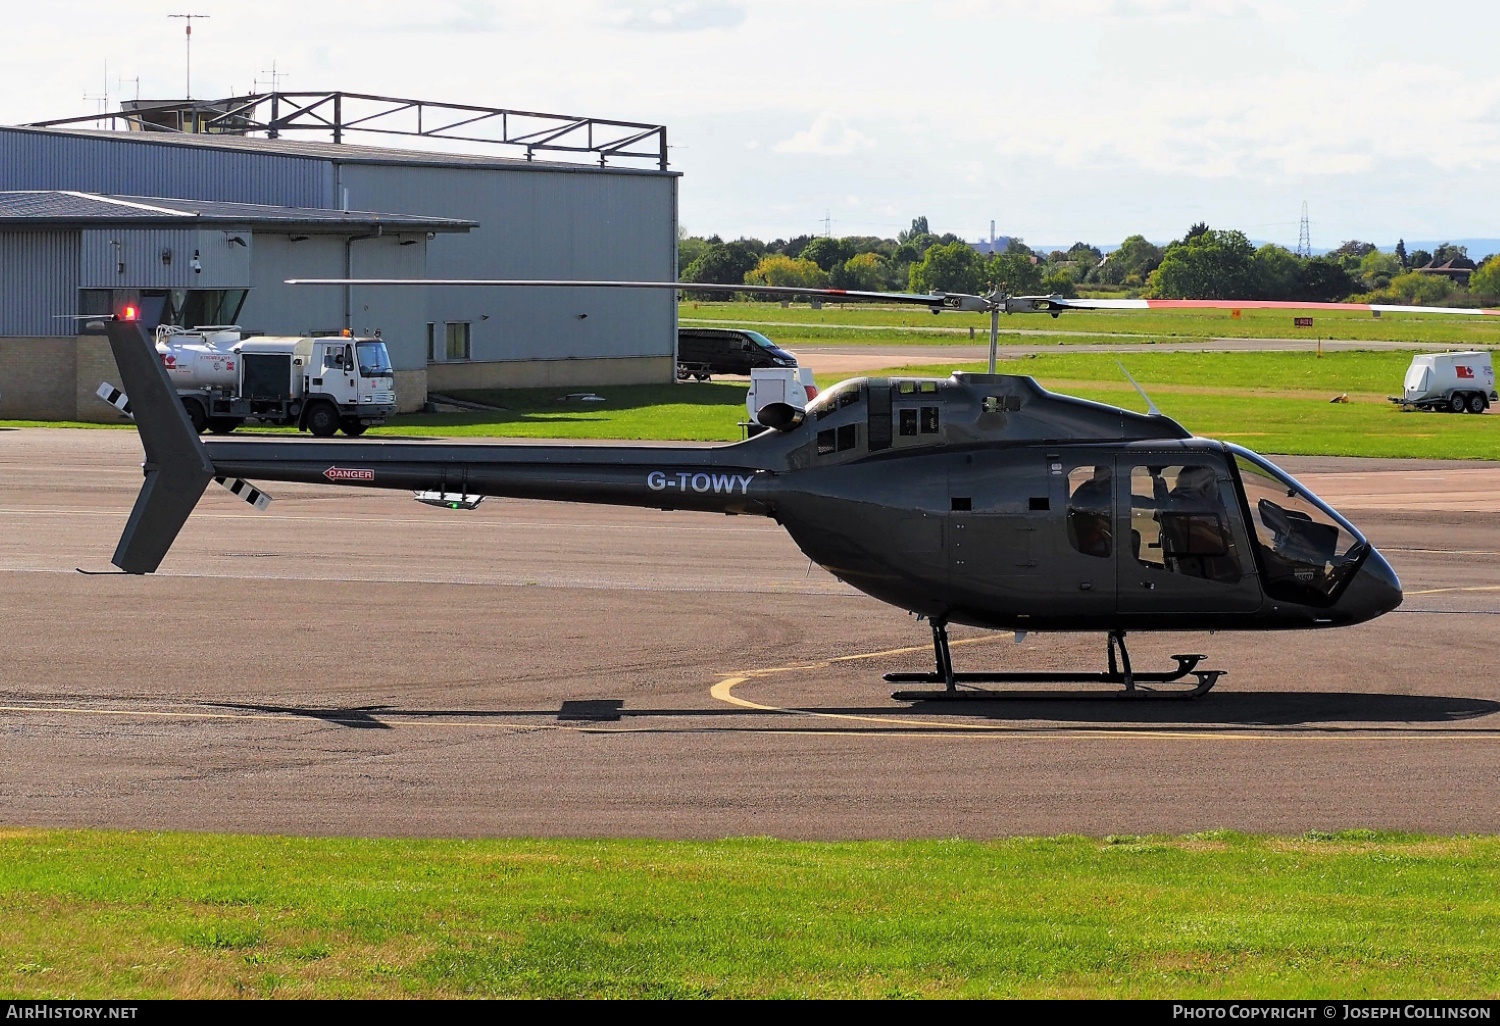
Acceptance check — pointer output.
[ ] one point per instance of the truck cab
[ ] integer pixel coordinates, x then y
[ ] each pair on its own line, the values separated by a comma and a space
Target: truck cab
322, 384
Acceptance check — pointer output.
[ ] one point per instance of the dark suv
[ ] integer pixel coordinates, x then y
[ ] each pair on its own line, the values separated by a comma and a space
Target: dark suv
705, 351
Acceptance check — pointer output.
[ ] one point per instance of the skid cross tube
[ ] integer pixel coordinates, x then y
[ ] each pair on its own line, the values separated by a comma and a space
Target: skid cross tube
1120, 672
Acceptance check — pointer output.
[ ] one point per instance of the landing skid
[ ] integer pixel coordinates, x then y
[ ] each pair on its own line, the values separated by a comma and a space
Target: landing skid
1119, 672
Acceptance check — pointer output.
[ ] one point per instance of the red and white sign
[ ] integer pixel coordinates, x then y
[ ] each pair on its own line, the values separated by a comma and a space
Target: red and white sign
349, 474
1462, 371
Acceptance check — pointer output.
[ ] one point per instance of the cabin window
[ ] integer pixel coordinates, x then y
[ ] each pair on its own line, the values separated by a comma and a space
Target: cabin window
1178, 522
909, 421
927, 387
1091, 499
830, 403
929, 420
906, 387
840, 439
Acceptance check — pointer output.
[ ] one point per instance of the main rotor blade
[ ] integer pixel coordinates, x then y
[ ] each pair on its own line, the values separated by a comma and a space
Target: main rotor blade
1241, 304
934, 300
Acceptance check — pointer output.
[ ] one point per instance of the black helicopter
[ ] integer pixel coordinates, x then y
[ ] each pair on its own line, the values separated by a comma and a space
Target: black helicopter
980, 499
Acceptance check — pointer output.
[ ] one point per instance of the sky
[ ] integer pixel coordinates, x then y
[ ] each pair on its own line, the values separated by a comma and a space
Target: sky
1061, 120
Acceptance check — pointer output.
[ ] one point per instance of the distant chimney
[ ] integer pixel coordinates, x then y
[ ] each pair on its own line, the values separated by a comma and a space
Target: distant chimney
992, 233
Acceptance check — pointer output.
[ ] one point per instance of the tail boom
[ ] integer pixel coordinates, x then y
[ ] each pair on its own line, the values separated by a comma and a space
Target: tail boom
662, 478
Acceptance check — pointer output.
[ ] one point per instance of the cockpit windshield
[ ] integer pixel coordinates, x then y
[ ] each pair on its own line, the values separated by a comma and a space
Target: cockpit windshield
1307, 550
374, 360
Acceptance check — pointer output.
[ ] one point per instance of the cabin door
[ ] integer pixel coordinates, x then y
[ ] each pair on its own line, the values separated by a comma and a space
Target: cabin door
1182, 544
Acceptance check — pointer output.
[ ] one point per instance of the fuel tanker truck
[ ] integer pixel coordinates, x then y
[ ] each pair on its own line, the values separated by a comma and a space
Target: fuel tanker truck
321, 384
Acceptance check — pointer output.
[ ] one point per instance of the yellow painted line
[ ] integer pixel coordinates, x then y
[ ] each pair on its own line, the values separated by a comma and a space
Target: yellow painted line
724, 692
1445, 591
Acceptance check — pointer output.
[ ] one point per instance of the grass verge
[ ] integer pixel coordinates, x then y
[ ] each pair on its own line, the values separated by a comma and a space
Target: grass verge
94, 914
790, 324
1274, 402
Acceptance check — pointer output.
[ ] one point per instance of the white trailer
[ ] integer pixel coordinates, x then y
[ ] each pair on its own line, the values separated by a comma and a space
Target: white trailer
319, 383
1455, 382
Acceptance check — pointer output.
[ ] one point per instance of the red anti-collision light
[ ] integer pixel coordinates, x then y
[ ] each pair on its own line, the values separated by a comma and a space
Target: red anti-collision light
128, 314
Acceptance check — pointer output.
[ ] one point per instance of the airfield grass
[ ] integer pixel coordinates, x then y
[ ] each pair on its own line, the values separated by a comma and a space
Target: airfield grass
1275, 402
1218, 915
913, 325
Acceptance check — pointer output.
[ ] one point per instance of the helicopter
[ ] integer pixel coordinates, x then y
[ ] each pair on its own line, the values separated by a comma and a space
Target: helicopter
980, 499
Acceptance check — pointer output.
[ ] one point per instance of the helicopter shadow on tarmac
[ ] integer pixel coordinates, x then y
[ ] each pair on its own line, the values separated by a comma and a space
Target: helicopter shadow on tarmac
1234, 710
1237, 709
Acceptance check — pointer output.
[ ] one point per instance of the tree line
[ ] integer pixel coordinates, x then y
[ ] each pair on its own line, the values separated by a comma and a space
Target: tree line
1206, 263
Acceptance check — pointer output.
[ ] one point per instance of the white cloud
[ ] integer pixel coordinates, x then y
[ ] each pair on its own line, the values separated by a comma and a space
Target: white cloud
682, 16
1299, 123
827, 136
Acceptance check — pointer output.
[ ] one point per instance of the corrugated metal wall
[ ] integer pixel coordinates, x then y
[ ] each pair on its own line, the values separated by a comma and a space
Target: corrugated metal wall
117, 258
38, 281
538, 223
533, 222
123, 166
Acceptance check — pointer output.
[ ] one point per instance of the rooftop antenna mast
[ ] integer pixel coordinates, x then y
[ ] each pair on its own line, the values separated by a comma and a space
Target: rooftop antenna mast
276, 76
120, 84
102, 99
1304, 235
189, 18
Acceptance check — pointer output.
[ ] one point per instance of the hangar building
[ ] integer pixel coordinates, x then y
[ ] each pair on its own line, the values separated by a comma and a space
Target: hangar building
200, 221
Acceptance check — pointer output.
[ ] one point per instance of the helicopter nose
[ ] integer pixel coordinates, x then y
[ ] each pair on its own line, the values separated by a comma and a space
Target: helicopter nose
1374, 591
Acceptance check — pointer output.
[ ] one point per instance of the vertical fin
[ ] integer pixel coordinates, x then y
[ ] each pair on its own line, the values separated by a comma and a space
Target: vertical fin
177, 465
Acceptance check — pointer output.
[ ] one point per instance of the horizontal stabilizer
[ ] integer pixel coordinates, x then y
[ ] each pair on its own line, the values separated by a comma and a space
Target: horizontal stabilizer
245, 490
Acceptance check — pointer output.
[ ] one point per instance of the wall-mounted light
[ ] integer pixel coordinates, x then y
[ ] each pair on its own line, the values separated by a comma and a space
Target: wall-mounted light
408, 242
583, 317
235, 240
298, 238
119, 257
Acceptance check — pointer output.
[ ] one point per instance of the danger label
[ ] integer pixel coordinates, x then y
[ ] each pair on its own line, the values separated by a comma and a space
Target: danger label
349, 474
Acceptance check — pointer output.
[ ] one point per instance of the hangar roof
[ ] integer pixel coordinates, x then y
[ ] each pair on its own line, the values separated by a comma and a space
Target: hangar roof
339, 153
86, 209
